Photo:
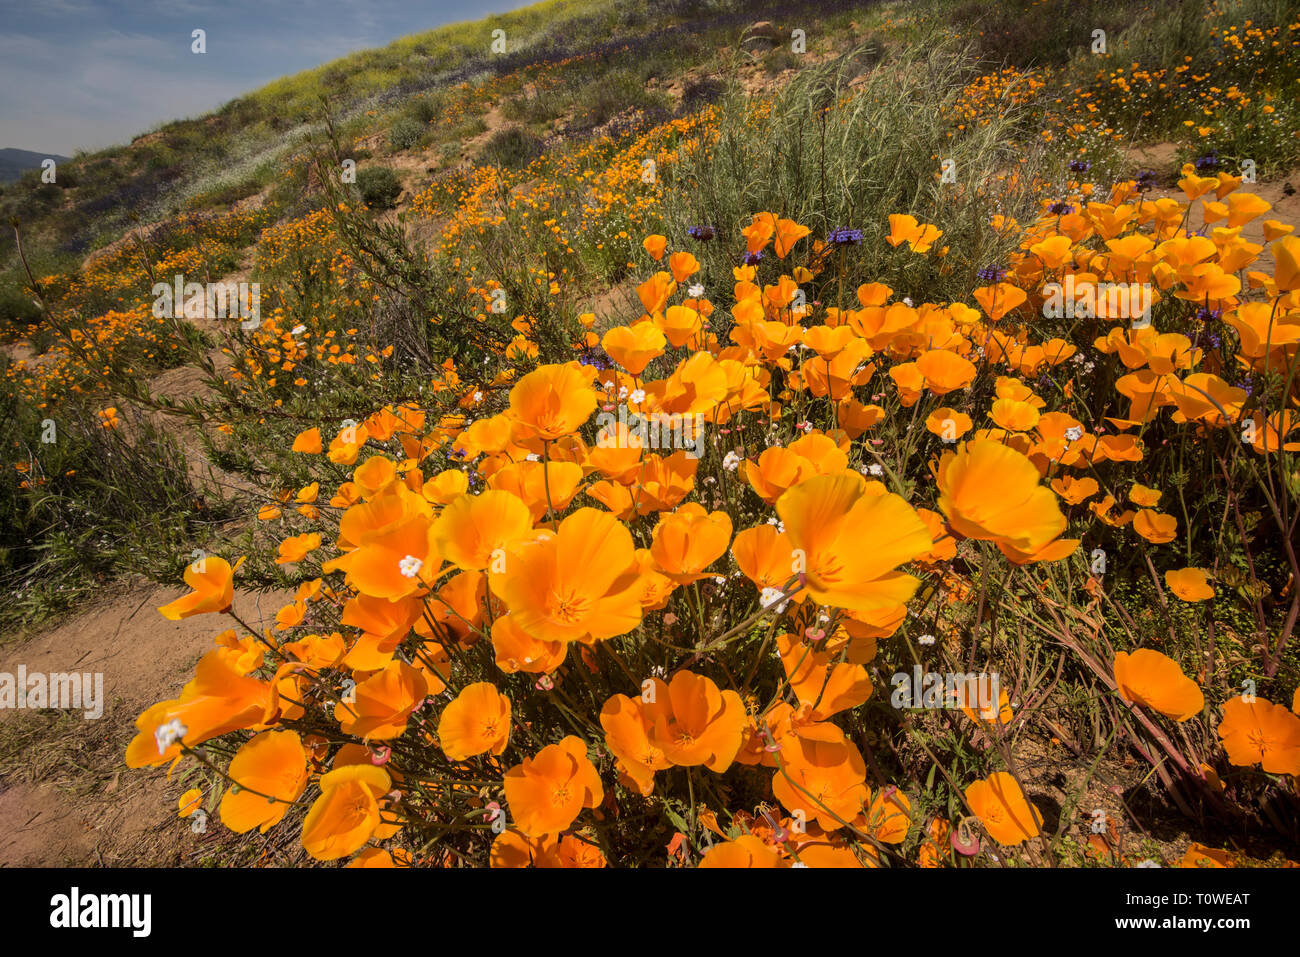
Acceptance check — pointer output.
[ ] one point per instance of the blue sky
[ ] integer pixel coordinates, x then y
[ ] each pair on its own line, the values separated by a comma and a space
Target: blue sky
85, 74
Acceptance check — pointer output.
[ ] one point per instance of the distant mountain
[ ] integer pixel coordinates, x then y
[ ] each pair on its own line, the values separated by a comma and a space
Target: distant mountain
13, 163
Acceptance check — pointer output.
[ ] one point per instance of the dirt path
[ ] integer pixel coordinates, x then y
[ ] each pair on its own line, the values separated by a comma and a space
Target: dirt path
66, 797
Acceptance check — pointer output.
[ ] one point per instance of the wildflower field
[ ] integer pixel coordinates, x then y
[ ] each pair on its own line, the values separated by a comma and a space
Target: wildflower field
695, 434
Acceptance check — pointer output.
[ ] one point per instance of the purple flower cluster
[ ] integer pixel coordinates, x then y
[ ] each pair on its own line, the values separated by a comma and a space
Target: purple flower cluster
1060, 208
1080, 166
843, 236
751, 259
596, 357
991, 274
702, 233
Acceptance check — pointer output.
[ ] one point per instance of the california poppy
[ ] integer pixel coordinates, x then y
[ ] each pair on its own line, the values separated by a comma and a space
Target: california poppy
548, 791
476, 722
1003, 809
1155, 680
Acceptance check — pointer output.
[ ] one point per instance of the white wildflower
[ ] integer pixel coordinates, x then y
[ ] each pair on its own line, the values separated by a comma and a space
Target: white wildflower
169, 733
772, 598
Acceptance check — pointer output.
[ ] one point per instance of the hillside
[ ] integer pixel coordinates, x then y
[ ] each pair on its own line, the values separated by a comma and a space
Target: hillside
394, 476
14, 162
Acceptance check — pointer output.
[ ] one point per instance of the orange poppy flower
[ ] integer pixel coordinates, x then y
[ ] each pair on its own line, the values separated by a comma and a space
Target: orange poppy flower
308, 442
476, 722
1261, 733
745, 851
823, 684
822, 775
654, 292
542, 486
945, 371
788, 232
679, 324
346, 814
634, 347
446, 486
474, 528
1189, 584
949, 424
548, 791
1155, 527
1014, 416
551, 402
627, 724
375, 474
776, 470
1003, 809
943, 546
220, 698
1000, 299
296, 548
759, 232
1073, 491
516, 650
512, 849
1155, 680
765, 556
696, 723
989, 491
851, 540
383, 625
1142, 496
655, 246
214, 590
889, 816
384, 702
272, 764
189, 802
577, 584
683, 265
936, 849
1286, 255
688, 540
390, 550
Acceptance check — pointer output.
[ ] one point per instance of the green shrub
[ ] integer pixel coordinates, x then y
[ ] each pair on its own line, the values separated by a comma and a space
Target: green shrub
406, 132
512, 148
379, 187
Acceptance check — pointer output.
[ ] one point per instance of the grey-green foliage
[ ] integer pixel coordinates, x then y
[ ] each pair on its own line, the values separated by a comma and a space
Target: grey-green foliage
379, 187
831, 155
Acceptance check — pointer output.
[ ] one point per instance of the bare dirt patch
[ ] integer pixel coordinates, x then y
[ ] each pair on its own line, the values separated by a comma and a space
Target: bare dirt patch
66, 796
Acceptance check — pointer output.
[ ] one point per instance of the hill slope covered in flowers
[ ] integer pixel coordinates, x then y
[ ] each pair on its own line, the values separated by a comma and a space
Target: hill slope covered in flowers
840, 456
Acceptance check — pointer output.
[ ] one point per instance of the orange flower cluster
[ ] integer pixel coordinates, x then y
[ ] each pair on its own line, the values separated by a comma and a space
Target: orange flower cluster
524, 630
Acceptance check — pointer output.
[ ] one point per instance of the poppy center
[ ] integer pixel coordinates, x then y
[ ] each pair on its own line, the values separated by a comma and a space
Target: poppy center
570, 609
